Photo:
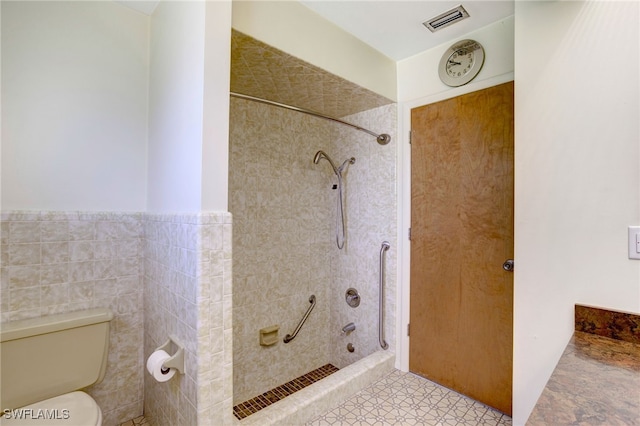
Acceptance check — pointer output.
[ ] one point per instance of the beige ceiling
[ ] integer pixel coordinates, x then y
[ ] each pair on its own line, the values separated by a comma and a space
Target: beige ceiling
263, 71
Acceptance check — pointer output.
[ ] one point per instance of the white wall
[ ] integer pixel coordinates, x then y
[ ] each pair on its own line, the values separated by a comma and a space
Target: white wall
74, 106
577, 167
1, 106
577, 175
217, 80
176, 86
418, 75
189, 106
77, 82
297, 30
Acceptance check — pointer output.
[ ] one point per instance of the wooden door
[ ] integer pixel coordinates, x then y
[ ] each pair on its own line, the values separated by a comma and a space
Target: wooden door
461, 306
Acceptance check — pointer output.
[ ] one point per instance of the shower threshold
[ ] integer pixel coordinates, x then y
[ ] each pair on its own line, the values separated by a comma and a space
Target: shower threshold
259, 402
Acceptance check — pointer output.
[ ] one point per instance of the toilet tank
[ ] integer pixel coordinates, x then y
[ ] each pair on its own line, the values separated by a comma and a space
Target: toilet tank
49, 356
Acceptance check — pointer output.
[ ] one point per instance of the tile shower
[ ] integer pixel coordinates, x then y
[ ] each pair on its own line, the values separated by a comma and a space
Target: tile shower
284, 211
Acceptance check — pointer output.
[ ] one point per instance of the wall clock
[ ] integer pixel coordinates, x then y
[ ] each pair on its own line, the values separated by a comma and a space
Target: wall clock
461, 63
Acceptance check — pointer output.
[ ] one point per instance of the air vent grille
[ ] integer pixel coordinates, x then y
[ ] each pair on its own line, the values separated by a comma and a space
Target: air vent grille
445, 19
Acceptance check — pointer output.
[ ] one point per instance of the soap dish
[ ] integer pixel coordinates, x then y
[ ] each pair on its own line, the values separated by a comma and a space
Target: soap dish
269, 335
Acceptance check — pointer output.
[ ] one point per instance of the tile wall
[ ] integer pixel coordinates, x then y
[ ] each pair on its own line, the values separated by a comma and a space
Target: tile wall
371, 213
261, 70
284, 211
283, 233
188, 296
56, 262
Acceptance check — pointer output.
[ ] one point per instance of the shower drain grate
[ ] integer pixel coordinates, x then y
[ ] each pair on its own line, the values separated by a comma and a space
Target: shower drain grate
256, 404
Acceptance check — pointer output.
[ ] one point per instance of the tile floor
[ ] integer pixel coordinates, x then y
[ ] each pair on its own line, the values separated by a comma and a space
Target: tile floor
406, 399
401, 399
138, 421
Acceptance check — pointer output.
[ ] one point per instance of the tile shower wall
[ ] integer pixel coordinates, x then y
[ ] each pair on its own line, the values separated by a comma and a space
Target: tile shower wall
371, 212
283, 233
188, 296
56, 262
284, 240
261, 70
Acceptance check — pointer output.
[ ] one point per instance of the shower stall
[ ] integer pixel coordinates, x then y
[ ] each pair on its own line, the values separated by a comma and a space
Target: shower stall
287, 230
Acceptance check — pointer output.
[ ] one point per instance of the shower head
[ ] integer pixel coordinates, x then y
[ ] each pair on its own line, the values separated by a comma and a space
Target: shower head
321, 154
337, 170
318, 156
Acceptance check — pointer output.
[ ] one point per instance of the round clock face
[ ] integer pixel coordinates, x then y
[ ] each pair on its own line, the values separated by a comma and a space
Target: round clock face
461, 63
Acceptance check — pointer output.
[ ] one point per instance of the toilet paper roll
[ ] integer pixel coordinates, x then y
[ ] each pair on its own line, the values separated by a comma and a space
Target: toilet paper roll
154, 366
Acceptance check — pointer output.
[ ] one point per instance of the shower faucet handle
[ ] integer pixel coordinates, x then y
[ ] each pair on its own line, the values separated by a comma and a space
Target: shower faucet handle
348, 328
352, 297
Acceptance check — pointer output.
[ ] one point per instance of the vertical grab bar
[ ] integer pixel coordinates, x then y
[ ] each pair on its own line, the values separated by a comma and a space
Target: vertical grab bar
383, 343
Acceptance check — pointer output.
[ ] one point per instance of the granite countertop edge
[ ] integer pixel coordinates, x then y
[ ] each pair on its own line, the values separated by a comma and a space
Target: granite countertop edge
596, 382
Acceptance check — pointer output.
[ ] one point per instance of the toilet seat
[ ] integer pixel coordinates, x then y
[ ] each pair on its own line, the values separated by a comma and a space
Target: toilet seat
71, 409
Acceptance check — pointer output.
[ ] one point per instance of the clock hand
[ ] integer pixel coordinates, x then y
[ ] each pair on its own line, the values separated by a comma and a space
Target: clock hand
455, 63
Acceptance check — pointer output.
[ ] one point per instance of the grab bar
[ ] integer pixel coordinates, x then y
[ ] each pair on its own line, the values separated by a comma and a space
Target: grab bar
290, 337
383, 343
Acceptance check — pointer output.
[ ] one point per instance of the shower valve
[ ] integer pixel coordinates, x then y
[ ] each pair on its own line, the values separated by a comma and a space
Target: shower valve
352, 297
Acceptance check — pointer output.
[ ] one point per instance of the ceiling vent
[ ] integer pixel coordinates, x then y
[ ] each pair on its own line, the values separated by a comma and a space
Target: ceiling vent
445, 19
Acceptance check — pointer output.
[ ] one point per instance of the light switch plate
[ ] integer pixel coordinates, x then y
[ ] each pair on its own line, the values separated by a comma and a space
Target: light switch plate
634, 242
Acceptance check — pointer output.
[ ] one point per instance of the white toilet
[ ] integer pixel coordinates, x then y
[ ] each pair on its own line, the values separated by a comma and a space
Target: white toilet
44, 362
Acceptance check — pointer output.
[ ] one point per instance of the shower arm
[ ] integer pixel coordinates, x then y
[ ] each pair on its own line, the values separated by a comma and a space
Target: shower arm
382, 139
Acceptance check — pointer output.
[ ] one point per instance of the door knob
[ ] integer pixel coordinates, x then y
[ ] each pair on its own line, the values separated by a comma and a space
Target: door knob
508, 265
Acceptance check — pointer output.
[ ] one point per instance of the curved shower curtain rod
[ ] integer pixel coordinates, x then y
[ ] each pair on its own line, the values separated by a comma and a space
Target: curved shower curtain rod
382, 139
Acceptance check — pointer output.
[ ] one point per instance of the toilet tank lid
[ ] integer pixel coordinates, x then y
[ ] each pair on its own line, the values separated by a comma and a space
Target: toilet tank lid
52, 323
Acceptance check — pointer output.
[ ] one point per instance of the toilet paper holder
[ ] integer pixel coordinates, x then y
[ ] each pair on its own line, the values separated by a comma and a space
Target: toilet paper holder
177, 359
